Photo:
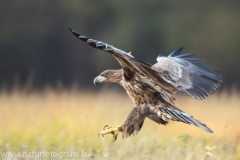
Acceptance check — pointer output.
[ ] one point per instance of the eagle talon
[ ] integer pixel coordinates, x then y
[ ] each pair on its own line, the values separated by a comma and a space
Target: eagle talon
110, 130
105, 127
114, 139
100, 134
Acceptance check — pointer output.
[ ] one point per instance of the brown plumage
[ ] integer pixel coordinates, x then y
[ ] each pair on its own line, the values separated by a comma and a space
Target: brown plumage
151, 87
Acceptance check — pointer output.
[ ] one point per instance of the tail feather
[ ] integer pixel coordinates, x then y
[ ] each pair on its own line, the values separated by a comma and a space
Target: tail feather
178, 115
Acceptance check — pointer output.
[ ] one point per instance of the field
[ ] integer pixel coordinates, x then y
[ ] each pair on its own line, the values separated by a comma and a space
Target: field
69, 121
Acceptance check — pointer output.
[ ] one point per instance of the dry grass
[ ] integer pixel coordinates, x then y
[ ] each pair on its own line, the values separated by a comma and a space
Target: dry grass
70, 120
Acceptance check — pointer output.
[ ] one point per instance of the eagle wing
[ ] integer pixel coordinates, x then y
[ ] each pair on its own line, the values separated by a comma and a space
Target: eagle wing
133, 67
188, 74
169, 75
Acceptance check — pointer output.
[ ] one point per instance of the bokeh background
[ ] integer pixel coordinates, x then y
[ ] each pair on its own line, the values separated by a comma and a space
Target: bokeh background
36, 45
47, 97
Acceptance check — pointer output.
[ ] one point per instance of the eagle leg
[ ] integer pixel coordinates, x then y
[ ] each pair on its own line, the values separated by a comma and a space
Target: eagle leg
107, 129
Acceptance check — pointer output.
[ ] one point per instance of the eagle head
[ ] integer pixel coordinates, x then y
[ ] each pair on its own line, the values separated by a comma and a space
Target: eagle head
113, 76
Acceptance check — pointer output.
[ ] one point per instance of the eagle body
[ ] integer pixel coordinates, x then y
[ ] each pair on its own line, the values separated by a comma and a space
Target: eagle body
140, 93
148, 103
151, 87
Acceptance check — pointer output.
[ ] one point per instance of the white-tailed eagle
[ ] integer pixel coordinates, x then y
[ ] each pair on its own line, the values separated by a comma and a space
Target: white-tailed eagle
151, 87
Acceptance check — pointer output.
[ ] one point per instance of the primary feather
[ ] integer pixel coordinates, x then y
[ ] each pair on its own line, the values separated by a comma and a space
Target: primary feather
188, 74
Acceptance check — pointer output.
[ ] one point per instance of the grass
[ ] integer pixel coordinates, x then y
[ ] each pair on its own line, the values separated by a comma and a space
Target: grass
62, 121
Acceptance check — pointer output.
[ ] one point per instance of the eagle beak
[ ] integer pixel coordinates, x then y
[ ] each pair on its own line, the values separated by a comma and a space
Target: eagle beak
98, 79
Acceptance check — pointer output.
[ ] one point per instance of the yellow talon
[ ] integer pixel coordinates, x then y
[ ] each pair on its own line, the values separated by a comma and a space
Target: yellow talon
105, 127
109, 130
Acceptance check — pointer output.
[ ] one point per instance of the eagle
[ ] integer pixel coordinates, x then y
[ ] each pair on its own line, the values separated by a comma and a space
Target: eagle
151, 87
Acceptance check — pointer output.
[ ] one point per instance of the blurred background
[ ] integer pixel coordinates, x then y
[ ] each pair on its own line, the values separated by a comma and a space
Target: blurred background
36, 46
47, 97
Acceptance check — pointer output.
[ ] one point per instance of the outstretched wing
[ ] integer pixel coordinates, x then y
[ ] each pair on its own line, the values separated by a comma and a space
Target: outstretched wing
134, 68
188, 74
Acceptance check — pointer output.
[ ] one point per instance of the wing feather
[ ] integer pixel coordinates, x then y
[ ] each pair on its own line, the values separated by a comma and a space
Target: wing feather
188, 74
133, 67
169, 74
176, 52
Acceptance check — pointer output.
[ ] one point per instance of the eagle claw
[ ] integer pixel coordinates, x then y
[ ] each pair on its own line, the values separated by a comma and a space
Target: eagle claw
100, 134
105, 127
110, 130
114, 139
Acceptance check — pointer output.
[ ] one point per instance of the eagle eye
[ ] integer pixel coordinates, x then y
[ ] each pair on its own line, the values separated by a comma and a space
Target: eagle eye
104, 74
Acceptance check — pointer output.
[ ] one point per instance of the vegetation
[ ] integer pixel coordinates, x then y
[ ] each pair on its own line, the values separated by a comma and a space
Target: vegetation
66, 120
